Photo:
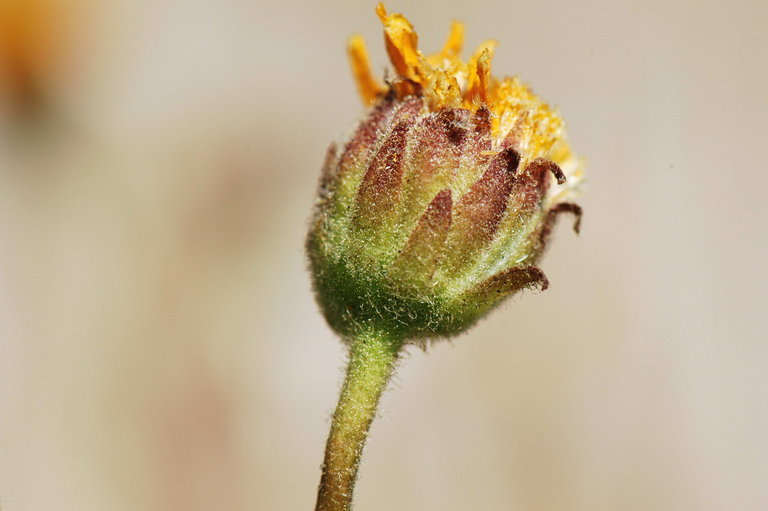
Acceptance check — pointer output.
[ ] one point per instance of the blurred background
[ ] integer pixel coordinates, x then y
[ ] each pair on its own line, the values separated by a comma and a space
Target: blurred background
160, 348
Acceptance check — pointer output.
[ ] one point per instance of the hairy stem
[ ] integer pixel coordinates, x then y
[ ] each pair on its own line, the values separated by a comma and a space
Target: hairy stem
372, 358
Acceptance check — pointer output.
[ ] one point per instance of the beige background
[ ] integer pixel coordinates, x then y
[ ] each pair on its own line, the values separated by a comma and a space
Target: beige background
159, 345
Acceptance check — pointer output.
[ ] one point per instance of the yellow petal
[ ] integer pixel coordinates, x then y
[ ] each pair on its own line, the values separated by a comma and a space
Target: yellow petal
402, 43
367, 85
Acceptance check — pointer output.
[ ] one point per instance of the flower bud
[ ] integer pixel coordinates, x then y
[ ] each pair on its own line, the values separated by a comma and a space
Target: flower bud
442, 200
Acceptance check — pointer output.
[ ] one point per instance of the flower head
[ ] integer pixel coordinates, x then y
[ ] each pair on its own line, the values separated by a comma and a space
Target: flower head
441, 201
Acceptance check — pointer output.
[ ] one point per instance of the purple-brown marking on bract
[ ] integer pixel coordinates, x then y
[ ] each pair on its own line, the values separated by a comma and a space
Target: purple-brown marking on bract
436, 148
381, 188
554, 168
418, 260
452, 122
534, 182
482, 207
364, 137
505, 283
381, 185
482, 120
386, 114
531, 186
479, 141
407, 110
327, 182
512, 279
479, 212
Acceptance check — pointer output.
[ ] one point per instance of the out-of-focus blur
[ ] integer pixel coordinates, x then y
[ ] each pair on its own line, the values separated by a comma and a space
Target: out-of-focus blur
160, 348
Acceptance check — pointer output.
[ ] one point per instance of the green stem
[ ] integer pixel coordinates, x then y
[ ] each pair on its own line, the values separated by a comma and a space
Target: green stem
372, 358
